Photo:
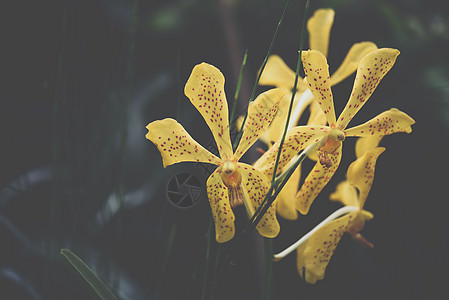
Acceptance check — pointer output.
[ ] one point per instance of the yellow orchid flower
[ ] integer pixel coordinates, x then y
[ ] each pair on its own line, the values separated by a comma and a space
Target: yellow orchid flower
313, 255
371, 70
278, 74
232, 183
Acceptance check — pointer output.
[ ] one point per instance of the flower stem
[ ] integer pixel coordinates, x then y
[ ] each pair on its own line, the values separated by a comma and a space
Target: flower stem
237, 89
268, 268
253, 93
206, 267
342, 211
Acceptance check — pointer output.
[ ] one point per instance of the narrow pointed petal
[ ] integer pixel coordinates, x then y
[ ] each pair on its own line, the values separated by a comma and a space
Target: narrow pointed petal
317, 77
316, 181
205, 89
315, 254
285, 202
222, 212
361, 173
278, 74
364, 144
257, 185
319, 27
260, 114
372, 68
176, 145
277, 127
352, 60
388, 122
296, 139
346, 194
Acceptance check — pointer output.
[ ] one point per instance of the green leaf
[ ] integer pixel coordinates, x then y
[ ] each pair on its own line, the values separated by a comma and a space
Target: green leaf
92, 279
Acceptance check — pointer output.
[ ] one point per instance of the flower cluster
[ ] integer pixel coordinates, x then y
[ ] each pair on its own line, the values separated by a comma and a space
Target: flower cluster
235, 183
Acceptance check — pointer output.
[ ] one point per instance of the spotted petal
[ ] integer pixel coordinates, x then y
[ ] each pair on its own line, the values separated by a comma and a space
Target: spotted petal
316, 181
260, 114
346, 194
361, 173
205, 89
257, 185
285, 202
352, 60
176, 145
388, 122
317, 76
224, 218
372, 68
315, 254
296, 139
319, 27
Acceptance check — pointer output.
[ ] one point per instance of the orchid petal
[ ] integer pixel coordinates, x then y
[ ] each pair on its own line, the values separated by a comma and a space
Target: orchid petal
315, 254
346, 194
222, 213
368, 143
296, 139
277, 127
205, 89
351, 61
176, 145
285, 201
257, 185
260, 114
316, 181
319, 27
372, 68
317, 76
388, 122
361, 173
359, 222
278, 74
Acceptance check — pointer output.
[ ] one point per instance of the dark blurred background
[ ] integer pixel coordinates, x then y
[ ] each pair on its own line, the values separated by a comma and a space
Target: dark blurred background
82, 79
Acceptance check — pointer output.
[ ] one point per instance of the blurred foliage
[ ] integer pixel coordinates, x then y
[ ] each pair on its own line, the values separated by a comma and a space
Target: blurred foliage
82, 79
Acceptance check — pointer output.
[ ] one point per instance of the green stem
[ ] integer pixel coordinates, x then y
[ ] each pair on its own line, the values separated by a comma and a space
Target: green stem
253, 93
237, 89
214, 280
268, 268
206, 267
171, 238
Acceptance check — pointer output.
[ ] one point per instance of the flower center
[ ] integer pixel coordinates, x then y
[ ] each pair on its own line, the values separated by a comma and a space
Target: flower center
336, 135
329, 144
232, 179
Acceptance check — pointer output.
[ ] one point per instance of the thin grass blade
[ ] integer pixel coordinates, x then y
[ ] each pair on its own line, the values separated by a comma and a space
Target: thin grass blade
88, 275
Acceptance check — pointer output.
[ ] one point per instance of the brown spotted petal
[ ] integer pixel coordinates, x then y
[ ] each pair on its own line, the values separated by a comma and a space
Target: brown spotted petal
260, 114
296, 139
224, 218
315, 254
372, 68
257, 185
388, 122
176, 145
205, 89
318, 81
361, 173
316, 181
